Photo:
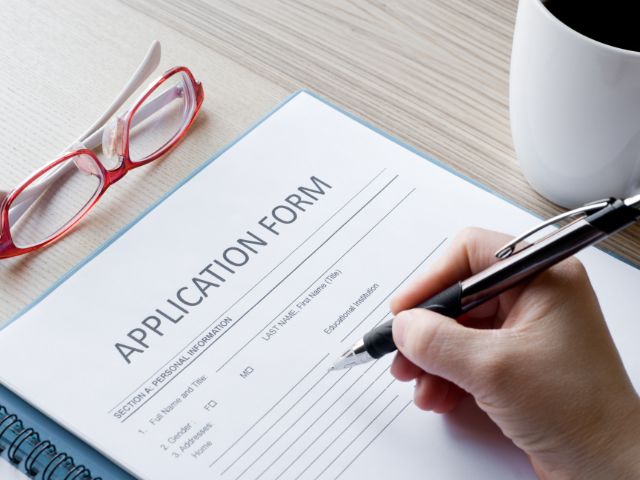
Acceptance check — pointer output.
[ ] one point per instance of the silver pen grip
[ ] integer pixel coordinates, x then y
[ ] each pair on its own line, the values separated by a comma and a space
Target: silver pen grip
527, 262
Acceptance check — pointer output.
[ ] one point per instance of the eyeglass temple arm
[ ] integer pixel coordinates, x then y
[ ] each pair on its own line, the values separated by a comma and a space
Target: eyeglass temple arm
144, 112
29, 197
93, 135
148, 65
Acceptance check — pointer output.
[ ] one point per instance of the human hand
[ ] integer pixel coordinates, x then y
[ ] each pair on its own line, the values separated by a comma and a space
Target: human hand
538, 359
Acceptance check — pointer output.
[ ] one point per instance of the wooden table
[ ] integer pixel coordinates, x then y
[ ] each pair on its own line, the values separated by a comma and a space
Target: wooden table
434, 73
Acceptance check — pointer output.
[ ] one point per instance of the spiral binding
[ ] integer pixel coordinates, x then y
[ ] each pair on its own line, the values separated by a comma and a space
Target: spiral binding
57, 461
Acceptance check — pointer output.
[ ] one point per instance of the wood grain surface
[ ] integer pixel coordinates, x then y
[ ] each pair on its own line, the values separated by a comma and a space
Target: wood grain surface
433, 73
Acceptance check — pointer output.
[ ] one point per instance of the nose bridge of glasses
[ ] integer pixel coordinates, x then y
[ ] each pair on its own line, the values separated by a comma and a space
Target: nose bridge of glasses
149, 64
112, 138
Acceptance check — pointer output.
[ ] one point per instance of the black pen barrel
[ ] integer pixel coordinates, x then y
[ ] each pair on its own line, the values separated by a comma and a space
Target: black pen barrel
504, 274
379, 341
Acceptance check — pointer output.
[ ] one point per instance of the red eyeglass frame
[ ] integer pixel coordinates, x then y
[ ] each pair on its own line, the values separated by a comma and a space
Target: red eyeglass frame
109, 177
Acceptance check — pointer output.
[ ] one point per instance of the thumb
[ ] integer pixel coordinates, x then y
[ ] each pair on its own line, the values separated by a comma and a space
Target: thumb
441, 346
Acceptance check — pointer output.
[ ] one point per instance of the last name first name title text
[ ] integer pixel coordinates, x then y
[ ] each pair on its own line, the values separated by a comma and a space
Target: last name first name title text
215, 274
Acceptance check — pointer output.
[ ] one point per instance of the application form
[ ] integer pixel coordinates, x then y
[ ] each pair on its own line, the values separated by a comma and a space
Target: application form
197, 343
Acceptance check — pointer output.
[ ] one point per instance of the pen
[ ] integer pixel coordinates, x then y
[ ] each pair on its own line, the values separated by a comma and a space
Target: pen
589, 224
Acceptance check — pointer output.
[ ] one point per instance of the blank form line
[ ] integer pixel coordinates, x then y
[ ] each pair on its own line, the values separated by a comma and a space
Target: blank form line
254, 285
318, 418
342, 432
359, 434
282, 416
374, 438
268, 411
380, 321
312, 283
237, 320
394, 289
346, 409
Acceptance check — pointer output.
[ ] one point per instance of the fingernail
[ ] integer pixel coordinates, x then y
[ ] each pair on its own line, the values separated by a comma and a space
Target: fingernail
399, 328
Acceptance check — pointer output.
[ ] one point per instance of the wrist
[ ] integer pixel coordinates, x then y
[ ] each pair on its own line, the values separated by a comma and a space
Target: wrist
606, 445
612, 450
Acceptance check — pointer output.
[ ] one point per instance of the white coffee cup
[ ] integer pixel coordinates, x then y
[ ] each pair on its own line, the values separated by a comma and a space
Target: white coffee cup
575, 110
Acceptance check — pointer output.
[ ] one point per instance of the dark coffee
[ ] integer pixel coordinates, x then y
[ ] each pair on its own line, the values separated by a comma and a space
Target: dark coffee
614, 22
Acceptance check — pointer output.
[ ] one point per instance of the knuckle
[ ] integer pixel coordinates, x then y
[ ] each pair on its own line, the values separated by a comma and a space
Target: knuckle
467, 239
468, 234
575, 268
569, 272
476, 239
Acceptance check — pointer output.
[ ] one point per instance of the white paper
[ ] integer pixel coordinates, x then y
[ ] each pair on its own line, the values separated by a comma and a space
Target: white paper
255, 400
9, 471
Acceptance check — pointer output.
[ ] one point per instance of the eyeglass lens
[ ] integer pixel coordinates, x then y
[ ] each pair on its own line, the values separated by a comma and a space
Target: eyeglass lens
53, 200
162, 117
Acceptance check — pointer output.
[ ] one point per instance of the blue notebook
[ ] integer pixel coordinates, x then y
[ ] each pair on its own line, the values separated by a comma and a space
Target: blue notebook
324, 195
42, 449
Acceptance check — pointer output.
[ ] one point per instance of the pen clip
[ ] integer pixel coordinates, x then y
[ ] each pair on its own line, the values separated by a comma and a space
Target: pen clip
580, 212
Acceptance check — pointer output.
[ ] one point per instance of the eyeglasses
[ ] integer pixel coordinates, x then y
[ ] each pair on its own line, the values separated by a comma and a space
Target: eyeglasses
50, 202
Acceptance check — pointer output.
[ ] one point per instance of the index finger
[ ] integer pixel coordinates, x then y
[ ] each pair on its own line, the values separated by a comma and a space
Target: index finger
471, 251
